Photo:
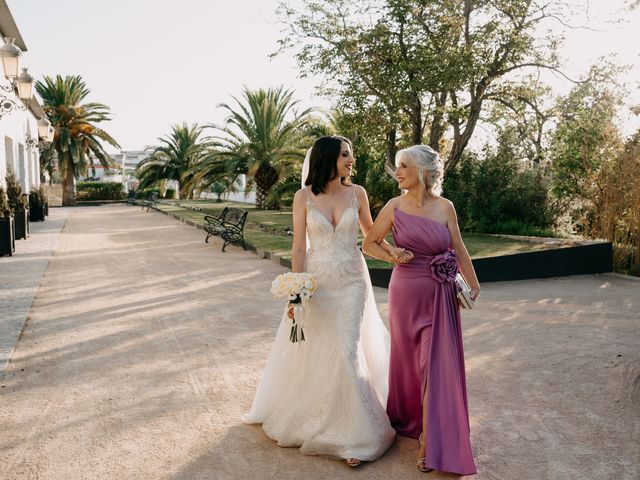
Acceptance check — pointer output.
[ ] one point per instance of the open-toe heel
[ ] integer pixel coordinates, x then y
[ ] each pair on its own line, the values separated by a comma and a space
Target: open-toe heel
353, 462
422, 463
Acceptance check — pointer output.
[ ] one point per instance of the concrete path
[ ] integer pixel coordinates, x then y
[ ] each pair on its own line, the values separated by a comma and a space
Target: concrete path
20, 277
144, 346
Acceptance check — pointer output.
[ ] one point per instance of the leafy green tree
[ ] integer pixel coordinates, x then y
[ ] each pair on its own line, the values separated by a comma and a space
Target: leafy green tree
495, 192
421, 65
586, 136
175, 159
77, 135
263, 137
527, 110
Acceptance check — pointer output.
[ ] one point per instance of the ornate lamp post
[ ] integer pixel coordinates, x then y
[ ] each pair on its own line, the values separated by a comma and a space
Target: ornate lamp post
45, 134
23, 83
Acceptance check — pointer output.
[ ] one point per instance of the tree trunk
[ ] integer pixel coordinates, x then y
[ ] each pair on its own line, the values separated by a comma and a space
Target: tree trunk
391, 150
437, 124
461, 140
265, 178
69, 188
416, 121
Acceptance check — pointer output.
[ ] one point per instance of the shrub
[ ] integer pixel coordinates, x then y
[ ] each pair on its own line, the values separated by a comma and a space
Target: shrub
37, 197
99, 191
614, 212
5, 210
495, 194
14, 193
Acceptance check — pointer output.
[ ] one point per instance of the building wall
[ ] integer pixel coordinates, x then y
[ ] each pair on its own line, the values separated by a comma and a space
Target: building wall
15, 126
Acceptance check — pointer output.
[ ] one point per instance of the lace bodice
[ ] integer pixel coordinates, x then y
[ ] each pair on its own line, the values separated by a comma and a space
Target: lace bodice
332, 250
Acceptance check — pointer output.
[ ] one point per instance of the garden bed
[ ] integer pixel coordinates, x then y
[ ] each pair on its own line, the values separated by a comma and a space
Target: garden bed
268, 233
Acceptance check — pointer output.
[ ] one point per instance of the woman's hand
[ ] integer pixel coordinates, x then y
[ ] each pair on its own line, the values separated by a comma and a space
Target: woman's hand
400, 255
475, 293
290, 311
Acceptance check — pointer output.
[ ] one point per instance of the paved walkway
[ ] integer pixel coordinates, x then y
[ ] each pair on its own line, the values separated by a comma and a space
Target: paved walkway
20, 277
144, 346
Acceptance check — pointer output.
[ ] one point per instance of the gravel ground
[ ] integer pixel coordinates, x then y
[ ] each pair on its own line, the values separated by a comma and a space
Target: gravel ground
144, 346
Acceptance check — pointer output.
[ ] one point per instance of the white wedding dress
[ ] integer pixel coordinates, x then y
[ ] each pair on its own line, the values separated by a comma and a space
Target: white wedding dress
327, 395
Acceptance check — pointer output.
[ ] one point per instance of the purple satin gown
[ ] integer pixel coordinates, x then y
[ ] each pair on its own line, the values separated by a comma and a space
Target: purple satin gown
427, 358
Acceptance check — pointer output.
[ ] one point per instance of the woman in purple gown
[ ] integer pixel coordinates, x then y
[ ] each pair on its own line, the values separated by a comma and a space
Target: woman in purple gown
427, 386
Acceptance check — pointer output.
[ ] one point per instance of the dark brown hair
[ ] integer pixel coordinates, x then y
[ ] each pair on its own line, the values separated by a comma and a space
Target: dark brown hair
323, 162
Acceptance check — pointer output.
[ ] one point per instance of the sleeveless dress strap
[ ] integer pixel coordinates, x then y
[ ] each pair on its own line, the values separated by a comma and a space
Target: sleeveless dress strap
309, 199
354, 199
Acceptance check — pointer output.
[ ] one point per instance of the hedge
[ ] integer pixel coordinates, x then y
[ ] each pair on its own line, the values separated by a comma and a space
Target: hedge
99, 191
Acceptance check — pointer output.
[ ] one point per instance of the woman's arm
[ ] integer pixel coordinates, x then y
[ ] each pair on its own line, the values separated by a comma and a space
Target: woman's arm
464, 260
299, 247
375, 238
366, 222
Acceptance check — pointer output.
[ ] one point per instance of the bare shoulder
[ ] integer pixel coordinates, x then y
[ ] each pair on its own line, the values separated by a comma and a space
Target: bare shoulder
394, 202
446, 206
360, 191
300, 196
387, 210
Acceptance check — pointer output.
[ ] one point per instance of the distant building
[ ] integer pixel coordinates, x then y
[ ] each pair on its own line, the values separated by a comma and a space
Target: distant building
123, 169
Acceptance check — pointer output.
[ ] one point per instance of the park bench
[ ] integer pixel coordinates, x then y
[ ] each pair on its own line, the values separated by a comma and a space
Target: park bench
131, 197
152, 200
229, 226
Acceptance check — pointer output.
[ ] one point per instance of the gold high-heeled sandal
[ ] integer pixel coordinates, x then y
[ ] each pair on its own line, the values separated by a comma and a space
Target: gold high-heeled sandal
422, 463
353, 462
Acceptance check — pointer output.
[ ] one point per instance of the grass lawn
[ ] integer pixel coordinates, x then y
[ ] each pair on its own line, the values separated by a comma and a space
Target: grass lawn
478, 245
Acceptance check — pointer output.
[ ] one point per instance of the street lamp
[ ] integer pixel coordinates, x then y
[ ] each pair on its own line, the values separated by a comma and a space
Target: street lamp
10, 55
43, 128
45, 134
25, 85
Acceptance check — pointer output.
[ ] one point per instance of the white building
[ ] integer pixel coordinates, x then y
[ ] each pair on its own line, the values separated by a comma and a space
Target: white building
122, 171
18, 118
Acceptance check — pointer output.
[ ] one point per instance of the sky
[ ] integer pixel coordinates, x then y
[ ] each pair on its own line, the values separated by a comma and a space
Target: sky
160, 62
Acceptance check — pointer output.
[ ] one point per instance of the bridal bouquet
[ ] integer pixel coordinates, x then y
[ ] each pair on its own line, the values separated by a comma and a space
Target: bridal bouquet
298, 288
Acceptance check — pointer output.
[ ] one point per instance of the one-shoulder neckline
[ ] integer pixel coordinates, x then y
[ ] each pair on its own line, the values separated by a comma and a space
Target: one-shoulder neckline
420, 216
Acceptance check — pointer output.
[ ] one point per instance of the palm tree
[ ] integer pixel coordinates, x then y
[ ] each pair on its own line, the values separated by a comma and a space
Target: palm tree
76, 135
178, 153
262, 137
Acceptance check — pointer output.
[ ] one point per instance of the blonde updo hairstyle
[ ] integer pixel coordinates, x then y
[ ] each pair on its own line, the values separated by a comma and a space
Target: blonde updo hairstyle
430, 167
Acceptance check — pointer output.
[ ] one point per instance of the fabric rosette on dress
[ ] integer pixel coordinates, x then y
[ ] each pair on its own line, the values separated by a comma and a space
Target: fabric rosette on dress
444, 267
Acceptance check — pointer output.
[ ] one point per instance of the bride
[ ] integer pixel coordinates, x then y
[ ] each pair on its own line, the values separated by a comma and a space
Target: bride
327, 395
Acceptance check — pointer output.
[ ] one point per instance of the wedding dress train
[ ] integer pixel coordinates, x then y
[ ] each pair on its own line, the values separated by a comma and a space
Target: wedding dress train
327, 395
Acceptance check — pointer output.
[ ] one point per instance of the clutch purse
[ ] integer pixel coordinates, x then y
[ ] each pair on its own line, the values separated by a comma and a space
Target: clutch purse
464, 292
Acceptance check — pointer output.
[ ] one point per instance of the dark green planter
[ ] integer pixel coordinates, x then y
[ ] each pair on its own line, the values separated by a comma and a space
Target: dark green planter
22, 224
37, 213
7, 236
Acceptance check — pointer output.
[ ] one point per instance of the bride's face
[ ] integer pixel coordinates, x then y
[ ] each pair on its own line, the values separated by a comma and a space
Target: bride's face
345, 161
